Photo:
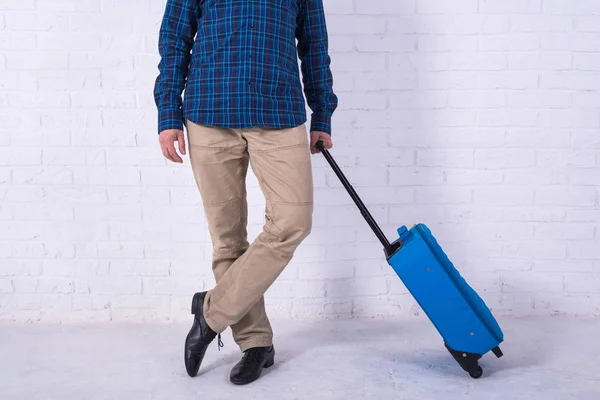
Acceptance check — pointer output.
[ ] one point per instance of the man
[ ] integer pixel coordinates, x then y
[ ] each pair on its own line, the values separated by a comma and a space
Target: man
244, 103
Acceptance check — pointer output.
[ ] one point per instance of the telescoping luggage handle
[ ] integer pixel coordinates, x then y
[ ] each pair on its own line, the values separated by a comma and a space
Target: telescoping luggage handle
390, 248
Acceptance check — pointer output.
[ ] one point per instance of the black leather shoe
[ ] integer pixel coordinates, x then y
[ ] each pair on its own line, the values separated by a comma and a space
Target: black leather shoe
251, 365
199, 337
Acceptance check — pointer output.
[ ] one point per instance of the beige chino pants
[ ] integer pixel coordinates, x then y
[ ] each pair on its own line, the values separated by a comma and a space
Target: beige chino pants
281, 160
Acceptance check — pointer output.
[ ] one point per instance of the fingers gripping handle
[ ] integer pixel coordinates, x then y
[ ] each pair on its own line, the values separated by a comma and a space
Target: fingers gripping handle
389, 248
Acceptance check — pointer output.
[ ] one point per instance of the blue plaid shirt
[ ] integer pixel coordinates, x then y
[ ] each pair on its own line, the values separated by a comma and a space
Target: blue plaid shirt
243, 68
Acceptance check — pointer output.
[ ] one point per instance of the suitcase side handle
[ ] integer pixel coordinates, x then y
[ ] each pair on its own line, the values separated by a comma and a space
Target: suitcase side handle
390, 248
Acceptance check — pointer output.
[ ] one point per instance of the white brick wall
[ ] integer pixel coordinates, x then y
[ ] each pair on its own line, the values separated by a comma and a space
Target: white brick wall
478, 117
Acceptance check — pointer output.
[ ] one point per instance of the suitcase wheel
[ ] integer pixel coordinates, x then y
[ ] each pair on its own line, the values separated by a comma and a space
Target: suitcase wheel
477, 373
467, 361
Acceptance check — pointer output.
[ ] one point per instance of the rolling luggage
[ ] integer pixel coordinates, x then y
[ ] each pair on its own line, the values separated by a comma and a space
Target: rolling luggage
461, 317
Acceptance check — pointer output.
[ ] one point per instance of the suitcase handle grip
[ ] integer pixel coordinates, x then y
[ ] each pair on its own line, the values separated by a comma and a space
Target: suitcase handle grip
390, 248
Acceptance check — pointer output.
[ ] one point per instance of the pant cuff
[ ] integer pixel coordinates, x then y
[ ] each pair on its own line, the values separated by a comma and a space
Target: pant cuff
259, 342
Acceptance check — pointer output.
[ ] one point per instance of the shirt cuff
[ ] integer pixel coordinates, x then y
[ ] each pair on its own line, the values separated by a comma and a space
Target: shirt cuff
170, 119
321, 122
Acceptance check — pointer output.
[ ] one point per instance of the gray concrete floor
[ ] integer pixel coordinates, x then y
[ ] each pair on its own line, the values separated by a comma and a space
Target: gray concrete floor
545, 358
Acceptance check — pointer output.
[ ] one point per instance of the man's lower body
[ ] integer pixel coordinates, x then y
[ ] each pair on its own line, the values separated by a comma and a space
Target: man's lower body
280, 159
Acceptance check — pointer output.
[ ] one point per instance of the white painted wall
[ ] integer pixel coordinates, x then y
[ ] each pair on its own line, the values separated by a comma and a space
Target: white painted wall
478, 117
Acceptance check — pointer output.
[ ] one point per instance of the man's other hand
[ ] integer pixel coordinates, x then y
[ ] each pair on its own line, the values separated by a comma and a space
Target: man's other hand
322, 136
167, 141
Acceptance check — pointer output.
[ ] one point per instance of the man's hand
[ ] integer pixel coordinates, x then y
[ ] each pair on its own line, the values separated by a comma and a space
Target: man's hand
322, 136
167, 141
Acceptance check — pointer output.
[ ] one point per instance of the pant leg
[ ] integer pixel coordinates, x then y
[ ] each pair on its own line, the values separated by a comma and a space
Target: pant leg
219, 159
281, 161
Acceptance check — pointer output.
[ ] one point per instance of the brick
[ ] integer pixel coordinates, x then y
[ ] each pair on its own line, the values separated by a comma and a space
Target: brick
467, 177
501, 159
96, 23
531, 282
476, 98
425, 61
538, 138
18, 41
445, 158
372, 286
75, 231
540, 61
546, 250
36, 22
418, 100
137, 6
467, 24
587, 24
535, 214
569, 118
563, 266
18, 230
43, 212
536, 176
19, 194
381, 44
507, 117
586, 62
107, 176
384, 7
540, 23
566, 158
508, 80
586, 42
581, 7
411, 176
356, 25
95, 60
503, 196
450, 43
84, 6
116, 286
456, 7
585, 138
21, 5
539, 99
584, 250
585, 99
515, 42
447, 80
443, 195
49, 41
369, 101
43, 176
337, 44
510, 6
582, 283
478, 62
6, 286
14, 267
335, 7
117, 250
44, 250
360, 62
171, 285
365, 81
54, 80
565, 231
566, 196
310, 308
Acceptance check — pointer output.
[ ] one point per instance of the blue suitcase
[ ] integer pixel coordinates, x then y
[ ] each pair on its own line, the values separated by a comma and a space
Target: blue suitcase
461, 317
